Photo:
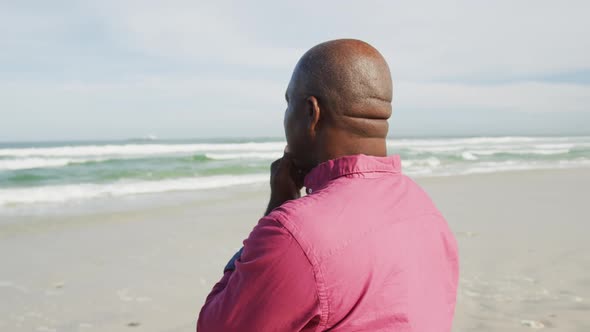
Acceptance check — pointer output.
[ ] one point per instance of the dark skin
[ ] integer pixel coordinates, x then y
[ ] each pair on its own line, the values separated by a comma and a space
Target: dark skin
339, 101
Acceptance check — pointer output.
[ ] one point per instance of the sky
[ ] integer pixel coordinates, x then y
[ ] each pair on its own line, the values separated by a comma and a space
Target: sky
192, 69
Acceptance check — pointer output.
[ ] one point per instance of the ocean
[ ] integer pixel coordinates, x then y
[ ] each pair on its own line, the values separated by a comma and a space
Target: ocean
58, 172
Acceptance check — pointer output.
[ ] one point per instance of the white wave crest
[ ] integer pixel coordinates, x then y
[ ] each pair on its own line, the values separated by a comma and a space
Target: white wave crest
491, 145
28, 163
468, 156
440, 145
64, 193
417, 142
514, 151
554, 146
245, 155
512, 165
430, 162
138, 149
31, 163
542, 152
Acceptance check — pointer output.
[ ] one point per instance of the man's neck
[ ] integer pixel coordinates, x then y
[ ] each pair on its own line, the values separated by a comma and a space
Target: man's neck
368, 146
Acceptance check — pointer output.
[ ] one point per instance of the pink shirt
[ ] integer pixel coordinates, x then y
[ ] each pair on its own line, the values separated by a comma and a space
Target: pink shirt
365, 250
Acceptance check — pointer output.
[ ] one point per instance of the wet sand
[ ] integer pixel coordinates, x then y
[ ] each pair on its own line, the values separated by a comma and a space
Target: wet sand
523, 241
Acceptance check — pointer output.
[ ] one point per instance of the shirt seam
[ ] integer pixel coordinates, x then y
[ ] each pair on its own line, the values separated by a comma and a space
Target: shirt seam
363, 172
322, 297
317, 187
325, 181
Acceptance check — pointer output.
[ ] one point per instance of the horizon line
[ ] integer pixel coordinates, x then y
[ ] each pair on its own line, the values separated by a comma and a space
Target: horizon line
270, 138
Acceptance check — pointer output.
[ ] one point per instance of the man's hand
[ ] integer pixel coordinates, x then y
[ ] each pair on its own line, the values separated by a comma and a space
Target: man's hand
286, 181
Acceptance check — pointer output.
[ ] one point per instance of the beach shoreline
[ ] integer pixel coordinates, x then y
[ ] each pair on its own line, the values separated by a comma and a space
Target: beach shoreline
521, 235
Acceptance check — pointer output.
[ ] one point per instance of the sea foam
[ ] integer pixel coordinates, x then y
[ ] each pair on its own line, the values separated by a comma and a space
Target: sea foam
31, 163
63, 193
137, 149
245, 155
67, 172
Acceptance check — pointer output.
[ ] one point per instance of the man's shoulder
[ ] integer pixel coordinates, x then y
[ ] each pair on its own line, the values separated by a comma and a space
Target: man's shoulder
295, 211
345, 209
345, 195
296, 217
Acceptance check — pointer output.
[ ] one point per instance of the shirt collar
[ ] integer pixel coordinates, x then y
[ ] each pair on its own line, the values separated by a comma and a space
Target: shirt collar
353, 164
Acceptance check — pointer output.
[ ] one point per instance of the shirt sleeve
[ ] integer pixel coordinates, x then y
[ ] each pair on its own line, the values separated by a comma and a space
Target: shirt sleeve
272, 287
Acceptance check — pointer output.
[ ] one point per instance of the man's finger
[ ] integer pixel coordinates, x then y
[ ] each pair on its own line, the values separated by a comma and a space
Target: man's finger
275, 165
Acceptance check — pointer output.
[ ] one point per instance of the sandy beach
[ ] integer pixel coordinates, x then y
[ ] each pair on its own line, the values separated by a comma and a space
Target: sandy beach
146, 264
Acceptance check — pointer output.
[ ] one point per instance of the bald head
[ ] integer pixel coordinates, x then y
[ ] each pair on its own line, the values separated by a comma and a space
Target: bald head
338, 103
352, 83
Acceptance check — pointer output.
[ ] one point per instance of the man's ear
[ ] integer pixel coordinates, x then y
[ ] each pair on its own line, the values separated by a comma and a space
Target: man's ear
313, 115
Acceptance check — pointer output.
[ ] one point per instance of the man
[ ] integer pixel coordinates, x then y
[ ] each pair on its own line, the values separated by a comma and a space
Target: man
366, 249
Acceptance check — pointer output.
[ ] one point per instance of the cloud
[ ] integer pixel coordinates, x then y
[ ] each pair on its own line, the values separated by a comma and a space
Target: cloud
172, 64
531, 97
430, 41
191, 31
